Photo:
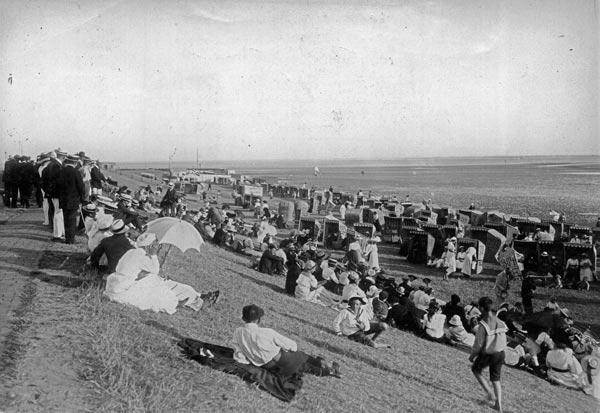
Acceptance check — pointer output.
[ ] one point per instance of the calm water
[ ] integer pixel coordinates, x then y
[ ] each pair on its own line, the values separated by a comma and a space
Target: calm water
524, 186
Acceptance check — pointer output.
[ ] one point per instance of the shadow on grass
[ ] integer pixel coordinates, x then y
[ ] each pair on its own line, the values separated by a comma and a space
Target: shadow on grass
379, 365
31, 237
304, 321
568, 299
169, 330
262, 283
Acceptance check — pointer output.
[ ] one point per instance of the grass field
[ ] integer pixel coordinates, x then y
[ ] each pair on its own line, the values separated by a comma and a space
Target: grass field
123, 359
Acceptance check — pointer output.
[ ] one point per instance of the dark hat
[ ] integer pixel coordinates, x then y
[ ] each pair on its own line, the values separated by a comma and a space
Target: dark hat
362, 300
81, 154
411, 277
252, 313
426, 280
322, 255
91, 207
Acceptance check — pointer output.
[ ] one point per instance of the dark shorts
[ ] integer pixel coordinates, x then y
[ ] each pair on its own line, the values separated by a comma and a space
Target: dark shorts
361, 336
493, 361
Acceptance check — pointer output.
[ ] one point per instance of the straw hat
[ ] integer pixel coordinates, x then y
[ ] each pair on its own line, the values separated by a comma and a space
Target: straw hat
455, 320
104, 222
118, 227
91, 207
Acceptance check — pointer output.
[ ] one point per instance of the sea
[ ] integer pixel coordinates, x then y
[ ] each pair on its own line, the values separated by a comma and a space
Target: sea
524, 186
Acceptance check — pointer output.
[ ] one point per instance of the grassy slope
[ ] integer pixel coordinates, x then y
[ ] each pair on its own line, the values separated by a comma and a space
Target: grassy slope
131, 359
414, 375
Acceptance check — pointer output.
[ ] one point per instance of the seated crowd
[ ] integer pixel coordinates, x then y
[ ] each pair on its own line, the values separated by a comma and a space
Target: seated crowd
367, 301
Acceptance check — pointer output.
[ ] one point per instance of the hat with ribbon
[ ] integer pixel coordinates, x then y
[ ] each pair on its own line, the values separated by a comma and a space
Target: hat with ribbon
118, 227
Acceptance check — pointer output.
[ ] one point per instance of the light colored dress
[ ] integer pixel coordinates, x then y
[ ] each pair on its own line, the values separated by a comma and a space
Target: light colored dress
372, 254
459, 335
306, 288
149, 293
467, 265
451, 259
564, 369
585, 270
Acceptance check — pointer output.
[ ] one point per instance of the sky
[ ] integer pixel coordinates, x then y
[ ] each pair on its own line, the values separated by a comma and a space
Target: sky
232, 80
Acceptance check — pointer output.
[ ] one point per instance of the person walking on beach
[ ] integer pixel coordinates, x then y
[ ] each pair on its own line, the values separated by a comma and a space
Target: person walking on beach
488, 351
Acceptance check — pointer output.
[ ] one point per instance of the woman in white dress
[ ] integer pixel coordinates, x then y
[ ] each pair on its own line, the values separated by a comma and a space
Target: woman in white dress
450, 258
136, 282
467, 266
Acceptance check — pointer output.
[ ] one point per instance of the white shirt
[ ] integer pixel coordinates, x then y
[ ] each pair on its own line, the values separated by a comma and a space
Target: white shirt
257, 345
346, 322
95, 239
434, 325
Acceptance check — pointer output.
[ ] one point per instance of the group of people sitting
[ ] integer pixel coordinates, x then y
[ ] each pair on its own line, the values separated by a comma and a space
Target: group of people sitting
131, 266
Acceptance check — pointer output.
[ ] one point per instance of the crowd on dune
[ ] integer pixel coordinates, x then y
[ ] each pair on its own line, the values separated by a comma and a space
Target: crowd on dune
367, 301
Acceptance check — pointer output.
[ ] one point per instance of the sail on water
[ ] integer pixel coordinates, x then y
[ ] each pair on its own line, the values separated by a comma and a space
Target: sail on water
317, 172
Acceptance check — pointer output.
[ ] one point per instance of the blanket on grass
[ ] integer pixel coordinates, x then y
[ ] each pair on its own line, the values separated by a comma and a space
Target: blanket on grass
283, 389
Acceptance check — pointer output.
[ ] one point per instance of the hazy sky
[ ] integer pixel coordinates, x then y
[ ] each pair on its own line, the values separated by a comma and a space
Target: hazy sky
132, 80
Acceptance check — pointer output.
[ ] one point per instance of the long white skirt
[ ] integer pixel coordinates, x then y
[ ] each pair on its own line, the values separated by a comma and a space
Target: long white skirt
150, 293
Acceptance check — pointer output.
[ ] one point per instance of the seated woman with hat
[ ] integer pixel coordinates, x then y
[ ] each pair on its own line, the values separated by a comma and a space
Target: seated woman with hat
136, 282
307, 286
353, 322
563, 367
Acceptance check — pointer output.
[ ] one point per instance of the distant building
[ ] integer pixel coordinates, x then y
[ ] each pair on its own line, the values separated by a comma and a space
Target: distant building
217, 176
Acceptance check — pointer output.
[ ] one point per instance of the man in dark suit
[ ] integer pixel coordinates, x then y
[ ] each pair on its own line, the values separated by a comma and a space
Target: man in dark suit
97, 177
50, 178
71, 193
26, 176
114, 247
9, 177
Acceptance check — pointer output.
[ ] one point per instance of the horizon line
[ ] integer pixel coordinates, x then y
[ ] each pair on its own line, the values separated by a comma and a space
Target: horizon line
368, 159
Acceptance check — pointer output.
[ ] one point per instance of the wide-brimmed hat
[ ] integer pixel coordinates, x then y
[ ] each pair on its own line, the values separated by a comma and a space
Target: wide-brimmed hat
145, 239
362, 300
544, 254
91, 207
126, 197
119, 227
455, 320
71, 160
104, 222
